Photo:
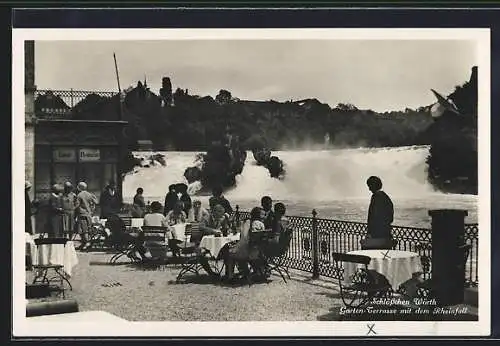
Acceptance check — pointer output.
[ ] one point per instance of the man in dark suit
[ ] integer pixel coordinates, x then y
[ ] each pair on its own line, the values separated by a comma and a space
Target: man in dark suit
380, 217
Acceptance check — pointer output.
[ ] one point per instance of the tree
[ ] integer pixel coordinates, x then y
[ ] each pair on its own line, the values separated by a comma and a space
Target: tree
347, 107
224, 97
166, 91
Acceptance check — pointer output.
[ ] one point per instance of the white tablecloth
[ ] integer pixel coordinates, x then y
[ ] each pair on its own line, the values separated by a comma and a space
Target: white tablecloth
397, 267
82, 316
47, 254
214, 244
30, 245
136, 222
179, 231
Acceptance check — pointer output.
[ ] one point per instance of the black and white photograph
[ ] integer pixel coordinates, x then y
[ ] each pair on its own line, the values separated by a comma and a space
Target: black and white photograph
269, 182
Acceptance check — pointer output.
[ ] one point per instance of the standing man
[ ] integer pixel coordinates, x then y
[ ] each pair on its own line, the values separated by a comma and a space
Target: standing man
86, 205
110, 201
380, 217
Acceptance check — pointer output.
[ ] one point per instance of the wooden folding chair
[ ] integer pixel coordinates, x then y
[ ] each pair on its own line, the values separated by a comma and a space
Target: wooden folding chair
43, 271
363, 287
192, 256
155, 242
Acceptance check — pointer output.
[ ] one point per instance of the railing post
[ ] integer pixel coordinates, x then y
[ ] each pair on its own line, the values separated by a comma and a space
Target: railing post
236, 219
448, 267
315, 245
71, 97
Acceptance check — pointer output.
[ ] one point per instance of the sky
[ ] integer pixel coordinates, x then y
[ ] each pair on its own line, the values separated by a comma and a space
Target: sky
381, 75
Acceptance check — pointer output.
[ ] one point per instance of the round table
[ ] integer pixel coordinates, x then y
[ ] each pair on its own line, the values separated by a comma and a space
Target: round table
56, 254
215, 244
396, 265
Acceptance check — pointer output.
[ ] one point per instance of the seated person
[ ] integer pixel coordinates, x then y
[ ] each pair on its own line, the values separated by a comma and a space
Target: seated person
242, 251
120, 239
267, 205
280, 222
217, 222
176, 215
197, 213
156, 218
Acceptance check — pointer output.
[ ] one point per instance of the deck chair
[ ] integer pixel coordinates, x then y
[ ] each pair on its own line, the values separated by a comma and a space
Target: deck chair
193, 258
50, 274
276, 255
155, 242
365, 284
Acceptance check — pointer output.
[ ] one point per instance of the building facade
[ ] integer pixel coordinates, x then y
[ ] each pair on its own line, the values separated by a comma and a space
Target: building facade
77, 150
61, 147
29, 112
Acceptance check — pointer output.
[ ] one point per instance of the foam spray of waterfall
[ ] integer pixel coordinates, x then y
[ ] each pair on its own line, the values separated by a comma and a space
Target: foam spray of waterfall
311, 175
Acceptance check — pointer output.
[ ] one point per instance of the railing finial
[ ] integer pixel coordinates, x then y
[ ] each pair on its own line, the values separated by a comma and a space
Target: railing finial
314, 213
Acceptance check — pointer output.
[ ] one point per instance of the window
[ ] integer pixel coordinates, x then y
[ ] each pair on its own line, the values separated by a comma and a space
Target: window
110, 173
64, 172
91, 173
42, 153
42, 177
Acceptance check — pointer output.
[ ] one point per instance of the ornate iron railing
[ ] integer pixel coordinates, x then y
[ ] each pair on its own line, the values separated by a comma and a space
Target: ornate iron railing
62, 103
345, 236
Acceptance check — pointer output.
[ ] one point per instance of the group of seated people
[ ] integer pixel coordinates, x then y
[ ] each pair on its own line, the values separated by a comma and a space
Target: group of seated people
218, 220
246, 251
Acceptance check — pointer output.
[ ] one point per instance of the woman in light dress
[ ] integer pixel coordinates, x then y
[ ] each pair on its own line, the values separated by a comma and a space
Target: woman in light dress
242, 251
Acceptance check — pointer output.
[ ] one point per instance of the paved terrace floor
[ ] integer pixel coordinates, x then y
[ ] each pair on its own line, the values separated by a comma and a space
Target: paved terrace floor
137, 294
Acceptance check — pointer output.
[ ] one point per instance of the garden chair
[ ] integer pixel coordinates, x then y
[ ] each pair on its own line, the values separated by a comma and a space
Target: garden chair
275, 256
127, 221
364, 285
50, 274
121, 241
155, 242
193, 258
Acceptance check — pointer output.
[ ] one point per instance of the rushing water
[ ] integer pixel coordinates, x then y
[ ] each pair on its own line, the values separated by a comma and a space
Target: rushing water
332, 182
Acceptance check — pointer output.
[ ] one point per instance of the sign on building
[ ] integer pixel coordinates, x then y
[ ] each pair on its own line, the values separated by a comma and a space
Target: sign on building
90, 155
64, 155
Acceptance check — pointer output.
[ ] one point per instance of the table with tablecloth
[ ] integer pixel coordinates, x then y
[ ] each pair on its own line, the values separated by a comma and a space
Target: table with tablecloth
215, 244
53, 254
396, 265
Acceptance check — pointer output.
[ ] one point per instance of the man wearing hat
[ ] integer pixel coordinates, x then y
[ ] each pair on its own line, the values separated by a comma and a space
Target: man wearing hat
69, 204
110, 201
86, 202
